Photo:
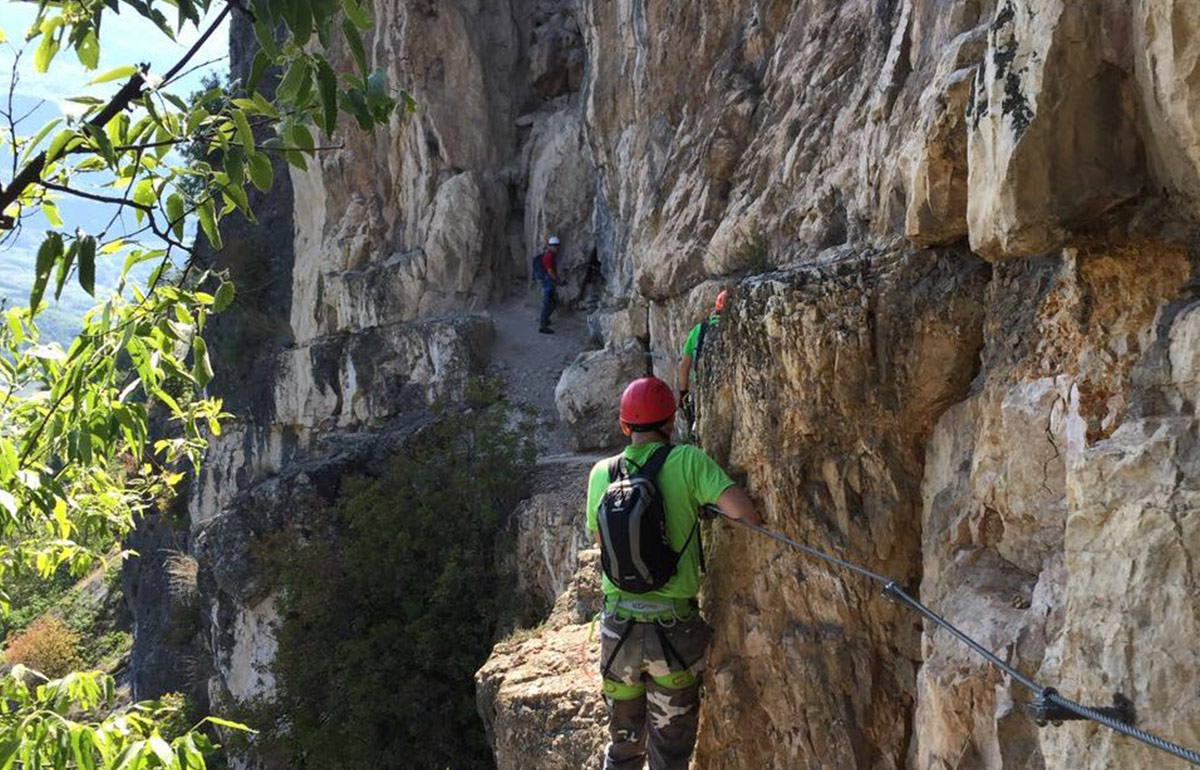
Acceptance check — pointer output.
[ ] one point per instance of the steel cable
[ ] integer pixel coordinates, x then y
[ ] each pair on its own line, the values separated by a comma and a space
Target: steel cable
892, 590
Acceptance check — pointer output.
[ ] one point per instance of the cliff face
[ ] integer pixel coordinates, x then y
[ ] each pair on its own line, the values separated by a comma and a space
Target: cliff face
961, 349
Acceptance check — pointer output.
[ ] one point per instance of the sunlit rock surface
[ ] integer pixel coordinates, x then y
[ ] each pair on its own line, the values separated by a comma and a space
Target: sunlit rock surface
960, 349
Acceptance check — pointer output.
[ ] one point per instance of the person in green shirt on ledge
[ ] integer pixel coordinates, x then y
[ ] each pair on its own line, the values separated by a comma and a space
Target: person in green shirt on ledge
693, 346
653, 644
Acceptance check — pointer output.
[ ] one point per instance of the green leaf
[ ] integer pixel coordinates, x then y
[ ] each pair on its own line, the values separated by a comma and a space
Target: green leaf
194, 119
235, 166
229, 725
302, 23
33, 143
175, 213
265, 107
188, 12
49, 252
8, 751
162, 750
64, 269
244, 133
88, 50
50, 209
262, 173
45, 53
118, 129
202, 370
137, 257
101, 140
289, 86
224, 297
87, 264
328, 92
144, 195
59, 144
266, 36
120, 73
356, 105
301, 137
261, 62
407, 101
357, 14
356, 44
208, 223
237, 194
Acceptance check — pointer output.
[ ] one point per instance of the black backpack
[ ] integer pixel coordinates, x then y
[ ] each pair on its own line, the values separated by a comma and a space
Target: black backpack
539, 269
635, 546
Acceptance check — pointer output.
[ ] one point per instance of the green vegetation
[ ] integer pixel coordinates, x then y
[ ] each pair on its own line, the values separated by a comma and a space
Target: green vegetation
98, 431
48, 645
388, 614
65, 627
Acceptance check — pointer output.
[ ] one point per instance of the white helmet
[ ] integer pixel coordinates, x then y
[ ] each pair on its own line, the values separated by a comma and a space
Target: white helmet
553, 240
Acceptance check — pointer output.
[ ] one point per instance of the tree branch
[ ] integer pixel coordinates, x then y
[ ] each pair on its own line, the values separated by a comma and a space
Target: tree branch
32, 173
132, 90
95, 196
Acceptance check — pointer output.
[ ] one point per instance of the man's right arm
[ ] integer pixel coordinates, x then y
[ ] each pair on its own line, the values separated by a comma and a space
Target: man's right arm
712, 485
685, 373
736, 504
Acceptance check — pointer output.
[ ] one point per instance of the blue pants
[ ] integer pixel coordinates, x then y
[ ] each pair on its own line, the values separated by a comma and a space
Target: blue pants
549, 301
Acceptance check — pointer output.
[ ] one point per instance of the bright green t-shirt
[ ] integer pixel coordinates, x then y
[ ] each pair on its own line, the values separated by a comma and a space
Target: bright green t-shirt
688, 479
693, 338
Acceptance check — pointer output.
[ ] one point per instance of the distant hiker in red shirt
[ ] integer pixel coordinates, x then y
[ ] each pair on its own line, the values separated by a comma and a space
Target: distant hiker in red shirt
545, 269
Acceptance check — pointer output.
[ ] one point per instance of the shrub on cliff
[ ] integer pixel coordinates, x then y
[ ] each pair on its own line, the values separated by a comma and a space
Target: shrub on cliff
48, 646
388, 614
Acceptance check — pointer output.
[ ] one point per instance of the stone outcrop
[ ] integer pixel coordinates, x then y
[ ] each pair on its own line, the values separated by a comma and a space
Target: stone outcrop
960, 349
550, 533
590, 389
892, 343
539, 693
1047, 66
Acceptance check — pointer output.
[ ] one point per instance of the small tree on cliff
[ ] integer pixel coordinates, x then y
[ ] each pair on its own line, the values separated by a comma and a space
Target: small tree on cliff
78, 458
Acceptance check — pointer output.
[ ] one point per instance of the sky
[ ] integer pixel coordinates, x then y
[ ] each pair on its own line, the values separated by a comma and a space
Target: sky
126, 38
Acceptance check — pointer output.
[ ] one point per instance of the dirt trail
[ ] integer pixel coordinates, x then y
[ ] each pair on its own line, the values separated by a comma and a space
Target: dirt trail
530, 363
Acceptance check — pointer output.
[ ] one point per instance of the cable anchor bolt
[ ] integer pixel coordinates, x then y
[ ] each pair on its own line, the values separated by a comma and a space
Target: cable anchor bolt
1047, 712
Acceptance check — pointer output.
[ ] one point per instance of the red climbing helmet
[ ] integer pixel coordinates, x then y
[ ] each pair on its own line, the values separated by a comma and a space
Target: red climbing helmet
721, 300
648, 401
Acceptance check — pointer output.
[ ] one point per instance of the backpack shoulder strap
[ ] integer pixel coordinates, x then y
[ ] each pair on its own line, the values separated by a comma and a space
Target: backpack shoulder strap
655, 463
614, 468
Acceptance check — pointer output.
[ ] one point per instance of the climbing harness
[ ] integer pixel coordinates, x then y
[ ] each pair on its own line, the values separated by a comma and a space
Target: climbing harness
1049, 707
662, 615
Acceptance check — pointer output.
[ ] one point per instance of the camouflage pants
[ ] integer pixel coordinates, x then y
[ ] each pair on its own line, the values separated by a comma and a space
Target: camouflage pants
652, 691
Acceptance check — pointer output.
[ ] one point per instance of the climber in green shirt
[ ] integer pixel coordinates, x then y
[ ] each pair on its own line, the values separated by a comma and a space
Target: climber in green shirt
653, 644
690, 355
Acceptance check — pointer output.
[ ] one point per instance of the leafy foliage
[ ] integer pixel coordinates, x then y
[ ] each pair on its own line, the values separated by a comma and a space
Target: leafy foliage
99, 431
48, 645
95, 613
70, 722
387, 617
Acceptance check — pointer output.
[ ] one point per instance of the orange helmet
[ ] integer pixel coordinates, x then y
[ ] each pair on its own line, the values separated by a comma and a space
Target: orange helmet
721, 300
647, 402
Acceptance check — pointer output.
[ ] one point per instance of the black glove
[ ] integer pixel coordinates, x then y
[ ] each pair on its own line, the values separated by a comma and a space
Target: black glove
709, 513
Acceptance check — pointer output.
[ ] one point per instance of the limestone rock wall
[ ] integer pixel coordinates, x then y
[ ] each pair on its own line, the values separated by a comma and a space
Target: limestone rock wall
960, 236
